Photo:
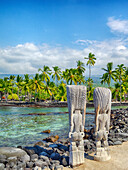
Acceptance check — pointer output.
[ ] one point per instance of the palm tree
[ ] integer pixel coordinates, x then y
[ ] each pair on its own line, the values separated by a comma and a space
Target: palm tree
56, 74
26, 84
72, 76
1, 88
106, 78
80, 71
45, 73
116, 90
62, 94
6, 87
80, 67
125, 82
65, 75
36, 85
11, 78
19, 80
90, 62
120, 70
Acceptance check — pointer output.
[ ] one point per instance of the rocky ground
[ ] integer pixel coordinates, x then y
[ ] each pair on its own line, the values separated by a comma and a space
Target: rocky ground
54, 153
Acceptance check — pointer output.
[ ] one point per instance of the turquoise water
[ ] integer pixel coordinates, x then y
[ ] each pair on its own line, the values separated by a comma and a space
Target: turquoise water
18, 128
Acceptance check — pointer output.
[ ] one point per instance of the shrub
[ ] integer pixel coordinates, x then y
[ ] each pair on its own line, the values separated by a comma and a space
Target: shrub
13, 97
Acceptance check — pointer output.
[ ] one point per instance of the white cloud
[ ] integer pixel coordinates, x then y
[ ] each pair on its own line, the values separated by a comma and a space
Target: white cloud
27, 58
118, 25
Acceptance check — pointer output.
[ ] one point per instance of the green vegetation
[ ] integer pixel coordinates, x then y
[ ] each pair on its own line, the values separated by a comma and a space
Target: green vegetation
51, 84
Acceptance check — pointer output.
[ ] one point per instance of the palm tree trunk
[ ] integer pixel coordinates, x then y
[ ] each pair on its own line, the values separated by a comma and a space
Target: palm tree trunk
18, 92
89, 71
120, 92
89, 76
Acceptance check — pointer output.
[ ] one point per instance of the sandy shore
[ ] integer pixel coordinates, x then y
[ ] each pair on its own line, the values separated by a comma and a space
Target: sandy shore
119, 160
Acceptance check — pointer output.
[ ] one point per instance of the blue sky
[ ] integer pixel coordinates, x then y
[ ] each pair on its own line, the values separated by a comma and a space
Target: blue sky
38, 32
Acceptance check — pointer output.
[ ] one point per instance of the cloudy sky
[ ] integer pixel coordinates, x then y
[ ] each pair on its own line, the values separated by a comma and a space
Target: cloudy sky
34, 33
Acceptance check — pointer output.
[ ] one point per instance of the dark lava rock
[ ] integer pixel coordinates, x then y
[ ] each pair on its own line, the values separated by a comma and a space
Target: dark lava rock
44, 154
55, 156
63, 148
53, 146
30, 150
49, 151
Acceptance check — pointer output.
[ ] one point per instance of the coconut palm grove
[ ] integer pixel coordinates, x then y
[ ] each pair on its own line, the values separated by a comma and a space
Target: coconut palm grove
49, 84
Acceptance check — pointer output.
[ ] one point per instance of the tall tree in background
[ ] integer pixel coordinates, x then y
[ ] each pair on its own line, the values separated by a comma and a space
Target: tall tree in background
46, 71
91, 61
19, 81
109, 75
80, 71
56, 75
120, 71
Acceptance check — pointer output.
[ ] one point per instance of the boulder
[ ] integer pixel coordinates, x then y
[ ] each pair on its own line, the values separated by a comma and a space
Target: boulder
53, 146
14, 152
2, 166
55, 156
44, 154
65, 160
40, 143
117, 143
51, 138
46, 131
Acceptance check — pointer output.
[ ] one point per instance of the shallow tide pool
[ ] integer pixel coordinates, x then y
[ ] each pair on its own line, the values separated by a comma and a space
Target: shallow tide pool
18, 128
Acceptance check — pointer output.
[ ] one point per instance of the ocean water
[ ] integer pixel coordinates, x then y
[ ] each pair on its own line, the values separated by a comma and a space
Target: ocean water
19, 128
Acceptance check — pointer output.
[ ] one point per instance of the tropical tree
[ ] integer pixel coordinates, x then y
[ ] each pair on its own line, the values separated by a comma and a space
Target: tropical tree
120, 71
72, 76
46, 71
109, 75
36, 84
115, 91
125, 82
62, 93
1, 88
26, 84
12, 82
80, 67
56, 75
19, 81
65, 75
6, 87
80, 71
90, 62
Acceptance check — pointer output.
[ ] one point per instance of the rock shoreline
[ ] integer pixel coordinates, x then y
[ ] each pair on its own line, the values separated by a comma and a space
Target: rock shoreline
50, 104
48, 155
